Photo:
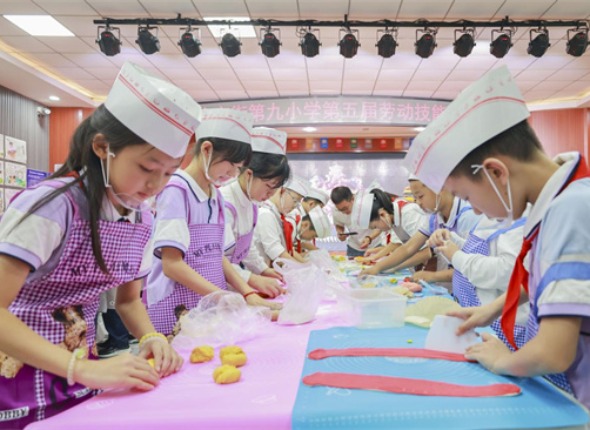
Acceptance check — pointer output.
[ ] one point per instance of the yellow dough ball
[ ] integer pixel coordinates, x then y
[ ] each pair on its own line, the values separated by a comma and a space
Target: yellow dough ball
231, 349
226, 374
237, 360
152, 362
201, 354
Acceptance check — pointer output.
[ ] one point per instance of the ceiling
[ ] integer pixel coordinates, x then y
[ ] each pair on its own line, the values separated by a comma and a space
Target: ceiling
75, 70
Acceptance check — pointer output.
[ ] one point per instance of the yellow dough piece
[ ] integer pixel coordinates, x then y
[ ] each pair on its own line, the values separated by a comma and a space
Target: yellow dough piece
201, 354
368, 285
230, 349
393, 281
226, 374
152, 362
237, 360
338, 257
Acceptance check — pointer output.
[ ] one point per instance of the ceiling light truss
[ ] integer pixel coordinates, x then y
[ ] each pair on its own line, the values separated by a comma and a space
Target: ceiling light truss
502, 35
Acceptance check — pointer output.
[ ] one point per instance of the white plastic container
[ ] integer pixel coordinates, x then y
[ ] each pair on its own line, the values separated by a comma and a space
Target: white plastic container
377, 308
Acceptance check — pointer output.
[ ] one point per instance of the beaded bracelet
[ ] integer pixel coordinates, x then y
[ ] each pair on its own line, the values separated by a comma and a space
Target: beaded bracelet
148, 337
77, 354
249, 294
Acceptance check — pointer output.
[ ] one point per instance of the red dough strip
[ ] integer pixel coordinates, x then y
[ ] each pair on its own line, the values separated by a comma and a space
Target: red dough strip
417, 387
318, 354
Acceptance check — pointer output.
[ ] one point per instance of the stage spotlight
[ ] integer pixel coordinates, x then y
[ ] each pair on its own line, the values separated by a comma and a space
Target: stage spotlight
230, 45
108, 43
386, 45
464, 44
270, 44
310, 44
190, 45
426, 43
349, 44
577, 44
540, 43
148, 43
501, 44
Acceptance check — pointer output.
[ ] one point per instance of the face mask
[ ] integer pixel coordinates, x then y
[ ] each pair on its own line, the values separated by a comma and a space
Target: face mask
128, 202
248, 188
385, 219
217, 183
300, 233
436, 206
509, 219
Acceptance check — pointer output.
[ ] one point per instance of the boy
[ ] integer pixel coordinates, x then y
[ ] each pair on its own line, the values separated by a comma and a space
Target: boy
483, 150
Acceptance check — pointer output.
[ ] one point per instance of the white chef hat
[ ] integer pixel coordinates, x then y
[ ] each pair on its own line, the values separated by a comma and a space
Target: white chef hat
319, 195
412, 177
361, 210
269, 140
320, 221
481, 111
155, 110
298, 184
226, 123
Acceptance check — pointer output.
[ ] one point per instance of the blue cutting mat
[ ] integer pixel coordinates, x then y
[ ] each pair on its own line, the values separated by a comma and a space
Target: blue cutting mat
539, 406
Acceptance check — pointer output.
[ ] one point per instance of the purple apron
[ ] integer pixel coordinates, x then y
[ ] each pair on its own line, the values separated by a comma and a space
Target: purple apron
204, 256
465, 291
243, 242
61, 306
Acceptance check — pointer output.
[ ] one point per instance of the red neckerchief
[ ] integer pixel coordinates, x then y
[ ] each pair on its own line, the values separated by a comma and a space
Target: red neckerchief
288, 233
520, 276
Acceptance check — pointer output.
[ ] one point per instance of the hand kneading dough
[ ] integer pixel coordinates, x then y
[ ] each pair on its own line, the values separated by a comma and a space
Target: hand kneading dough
201, 354
237, 360
226, 374
231, 349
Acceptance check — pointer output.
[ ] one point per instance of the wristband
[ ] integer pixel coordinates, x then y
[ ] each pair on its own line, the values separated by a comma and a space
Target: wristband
148, 337
77, 354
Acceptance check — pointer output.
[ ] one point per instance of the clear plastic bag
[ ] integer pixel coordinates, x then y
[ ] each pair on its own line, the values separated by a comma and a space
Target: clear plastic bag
221, 318
306, 284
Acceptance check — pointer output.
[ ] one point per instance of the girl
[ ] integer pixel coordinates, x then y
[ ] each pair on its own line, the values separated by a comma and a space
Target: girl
190, 222
119, 156
445, 211
268, 170
273, 236
397, 217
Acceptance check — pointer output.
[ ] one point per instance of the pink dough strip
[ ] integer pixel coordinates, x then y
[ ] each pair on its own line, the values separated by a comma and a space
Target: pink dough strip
319, 354
417, 387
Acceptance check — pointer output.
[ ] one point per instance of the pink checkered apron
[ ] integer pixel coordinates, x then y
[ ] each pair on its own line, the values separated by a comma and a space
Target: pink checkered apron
61, 306
243, 242
204, 256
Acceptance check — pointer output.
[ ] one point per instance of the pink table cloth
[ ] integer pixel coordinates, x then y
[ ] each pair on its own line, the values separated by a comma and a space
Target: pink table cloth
263, 399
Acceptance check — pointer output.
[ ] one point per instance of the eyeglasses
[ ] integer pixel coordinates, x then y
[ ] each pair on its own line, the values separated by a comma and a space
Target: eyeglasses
295, 199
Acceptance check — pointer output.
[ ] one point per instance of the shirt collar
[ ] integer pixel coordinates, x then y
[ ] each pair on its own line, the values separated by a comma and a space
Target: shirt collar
197, 190
453, 217
108, 212
567, 161
240, 197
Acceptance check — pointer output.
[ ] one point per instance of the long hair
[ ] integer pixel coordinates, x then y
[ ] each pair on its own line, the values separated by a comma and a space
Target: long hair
226, 150
382, 200
267, 166
83, 160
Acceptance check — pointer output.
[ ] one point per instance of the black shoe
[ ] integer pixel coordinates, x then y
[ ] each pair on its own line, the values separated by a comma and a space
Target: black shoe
107, 351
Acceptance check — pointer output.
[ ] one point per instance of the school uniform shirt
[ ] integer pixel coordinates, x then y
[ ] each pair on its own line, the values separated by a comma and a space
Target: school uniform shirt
39, 239
406, 221
354, 241
559, 262
491, 274
294, 218
269, 239
173, 218
234, 228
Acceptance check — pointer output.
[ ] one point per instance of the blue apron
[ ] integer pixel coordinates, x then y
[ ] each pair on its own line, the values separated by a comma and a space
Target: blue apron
465, 291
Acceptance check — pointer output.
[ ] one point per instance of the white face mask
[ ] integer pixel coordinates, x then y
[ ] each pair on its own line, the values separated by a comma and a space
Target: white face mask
509, 219
128, 202
436, 206
217, 183
385, 219
248, 189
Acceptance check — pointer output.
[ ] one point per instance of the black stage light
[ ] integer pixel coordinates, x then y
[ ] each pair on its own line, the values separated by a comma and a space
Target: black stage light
310, 45
539, 44
577, 44
464, 44
386, 45
501, 44
349, 45
148, 43
426, 43
190, 45
270, 45
109, 44
230, 45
